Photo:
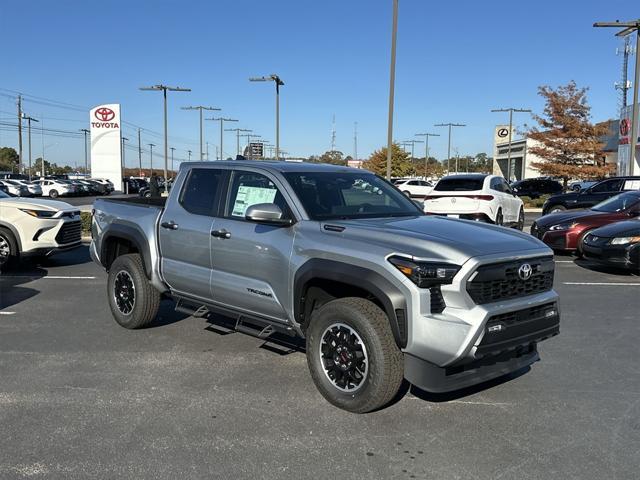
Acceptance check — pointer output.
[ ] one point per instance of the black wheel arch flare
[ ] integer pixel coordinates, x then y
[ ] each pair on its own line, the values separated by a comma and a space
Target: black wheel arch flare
390, 296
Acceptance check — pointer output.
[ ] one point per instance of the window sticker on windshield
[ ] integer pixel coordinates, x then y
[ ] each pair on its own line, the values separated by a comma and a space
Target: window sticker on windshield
248, 196
631, 185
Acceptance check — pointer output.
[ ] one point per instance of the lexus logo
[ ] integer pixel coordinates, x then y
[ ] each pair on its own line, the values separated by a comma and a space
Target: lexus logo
104, 114
624, 127
503, 132
525, 271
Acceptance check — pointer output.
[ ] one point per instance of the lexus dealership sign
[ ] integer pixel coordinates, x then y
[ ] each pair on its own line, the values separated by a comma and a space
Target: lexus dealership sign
106, 159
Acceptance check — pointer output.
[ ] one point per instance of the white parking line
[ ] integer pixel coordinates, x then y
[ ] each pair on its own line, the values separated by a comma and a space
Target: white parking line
7, 313
51, 277
564, 261
603, 283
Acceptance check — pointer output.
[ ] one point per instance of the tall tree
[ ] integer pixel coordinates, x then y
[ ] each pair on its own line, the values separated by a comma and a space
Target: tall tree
9, 159
333, 157
400, 162
568, 142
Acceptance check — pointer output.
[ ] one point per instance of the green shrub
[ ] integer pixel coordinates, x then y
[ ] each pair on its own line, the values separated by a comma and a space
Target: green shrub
534, 202
85, 218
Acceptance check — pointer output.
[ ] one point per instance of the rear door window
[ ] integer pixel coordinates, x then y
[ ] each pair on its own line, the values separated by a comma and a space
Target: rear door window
201, 191
612, 185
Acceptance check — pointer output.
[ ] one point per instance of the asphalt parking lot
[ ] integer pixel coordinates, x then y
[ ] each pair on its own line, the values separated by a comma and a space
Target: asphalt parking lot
81, 397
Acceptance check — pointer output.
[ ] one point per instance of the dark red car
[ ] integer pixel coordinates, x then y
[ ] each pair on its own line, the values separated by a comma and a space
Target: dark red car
564, 231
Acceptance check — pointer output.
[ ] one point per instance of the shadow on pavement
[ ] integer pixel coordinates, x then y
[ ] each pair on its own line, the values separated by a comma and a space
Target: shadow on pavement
11, 293
596, 267
77, 256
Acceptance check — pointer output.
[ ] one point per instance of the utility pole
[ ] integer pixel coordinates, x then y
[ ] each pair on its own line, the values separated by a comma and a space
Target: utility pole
333, 133
238, 130
221, 120
278, 81
449, 148
412, 143
124, 184
426, 148
510, 110
355, 140
392, 81
19, 104
627, 29
151, 145
201, 108
164, 89
29, 120
139, 153
172, 150
86, 156
189, 152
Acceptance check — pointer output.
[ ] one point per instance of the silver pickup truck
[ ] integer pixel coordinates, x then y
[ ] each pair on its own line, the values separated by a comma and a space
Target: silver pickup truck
338, 256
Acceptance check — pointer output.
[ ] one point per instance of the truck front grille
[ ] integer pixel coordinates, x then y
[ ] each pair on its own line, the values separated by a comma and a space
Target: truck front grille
70, 232
501, 281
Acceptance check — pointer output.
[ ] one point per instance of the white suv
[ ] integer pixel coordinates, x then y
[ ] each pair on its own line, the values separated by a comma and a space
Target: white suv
54, 188
413, 187
36, 227
480, 197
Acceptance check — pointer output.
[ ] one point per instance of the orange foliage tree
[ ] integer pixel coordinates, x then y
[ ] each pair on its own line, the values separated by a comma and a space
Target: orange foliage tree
568, 142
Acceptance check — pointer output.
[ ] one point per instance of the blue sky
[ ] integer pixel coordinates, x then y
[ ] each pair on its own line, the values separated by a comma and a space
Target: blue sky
456, 61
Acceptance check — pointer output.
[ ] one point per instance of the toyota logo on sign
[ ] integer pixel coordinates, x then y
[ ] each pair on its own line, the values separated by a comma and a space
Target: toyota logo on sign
104, 114
525, 271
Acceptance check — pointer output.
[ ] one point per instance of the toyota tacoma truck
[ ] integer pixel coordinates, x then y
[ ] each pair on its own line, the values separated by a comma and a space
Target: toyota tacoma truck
379, 291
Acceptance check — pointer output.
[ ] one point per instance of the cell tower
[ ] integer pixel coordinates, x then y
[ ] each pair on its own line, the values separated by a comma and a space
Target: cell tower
333, 133
624, 85
355, 140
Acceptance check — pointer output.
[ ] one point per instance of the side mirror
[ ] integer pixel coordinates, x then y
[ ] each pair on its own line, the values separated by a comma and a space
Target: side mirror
268, 213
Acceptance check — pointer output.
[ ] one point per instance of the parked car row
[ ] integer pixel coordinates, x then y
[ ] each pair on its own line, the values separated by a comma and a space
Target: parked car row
56, 187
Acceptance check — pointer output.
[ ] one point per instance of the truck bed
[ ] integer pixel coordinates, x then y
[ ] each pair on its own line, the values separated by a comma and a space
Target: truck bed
141, 201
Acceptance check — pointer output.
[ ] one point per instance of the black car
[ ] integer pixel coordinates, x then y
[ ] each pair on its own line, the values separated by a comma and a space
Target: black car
536, 187
614, 245
591, 196
134, 185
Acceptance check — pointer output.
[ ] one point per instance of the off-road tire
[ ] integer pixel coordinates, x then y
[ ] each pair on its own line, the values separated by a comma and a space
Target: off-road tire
146, 297
385, 361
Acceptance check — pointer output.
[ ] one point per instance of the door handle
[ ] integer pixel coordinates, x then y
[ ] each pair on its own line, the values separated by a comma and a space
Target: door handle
221, 234
169, 225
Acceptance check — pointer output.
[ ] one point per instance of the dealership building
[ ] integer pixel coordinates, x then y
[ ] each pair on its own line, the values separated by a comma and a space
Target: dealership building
522, 159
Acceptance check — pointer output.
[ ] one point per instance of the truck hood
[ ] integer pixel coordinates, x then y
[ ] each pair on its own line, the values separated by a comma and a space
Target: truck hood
439, 237
36, 204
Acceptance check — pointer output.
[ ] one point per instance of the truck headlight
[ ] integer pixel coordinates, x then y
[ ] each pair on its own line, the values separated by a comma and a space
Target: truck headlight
563, 226
425, 274
625, 240
39, 213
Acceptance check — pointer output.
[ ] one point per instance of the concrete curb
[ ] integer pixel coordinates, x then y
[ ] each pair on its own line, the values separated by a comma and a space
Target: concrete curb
532, 210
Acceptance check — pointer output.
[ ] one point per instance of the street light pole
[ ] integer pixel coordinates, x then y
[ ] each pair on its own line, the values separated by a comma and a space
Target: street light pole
139, 154
164, 89
151, 145
172, 150
426, 148
201, 108
124, 185
627, 29
449, 147
222, 120
392, 81
189, 152
510, 110
238, 130
278, 81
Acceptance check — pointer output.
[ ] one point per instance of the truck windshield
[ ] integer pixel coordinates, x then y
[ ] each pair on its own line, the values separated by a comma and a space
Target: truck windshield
345, 195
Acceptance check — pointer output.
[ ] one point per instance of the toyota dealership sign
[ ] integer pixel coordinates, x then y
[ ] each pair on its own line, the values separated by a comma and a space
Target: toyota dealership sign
106, 154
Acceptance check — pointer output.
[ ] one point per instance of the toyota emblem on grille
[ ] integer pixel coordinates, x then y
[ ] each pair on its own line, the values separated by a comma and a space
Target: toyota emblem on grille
525, 271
